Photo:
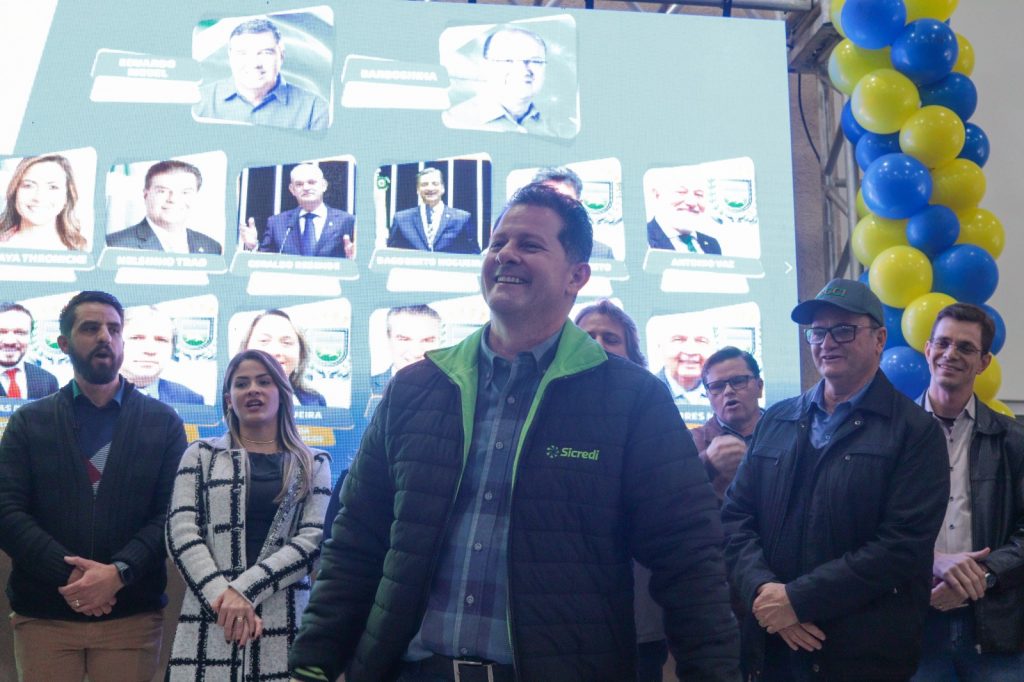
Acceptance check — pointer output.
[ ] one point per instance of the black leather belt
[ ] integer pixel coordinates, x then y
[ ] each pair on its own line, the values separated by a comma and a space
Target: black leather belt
463, 669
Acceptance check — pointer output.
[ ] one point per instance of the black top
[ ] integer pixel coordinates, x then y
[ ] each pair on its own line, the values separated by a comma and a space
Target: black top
265, 476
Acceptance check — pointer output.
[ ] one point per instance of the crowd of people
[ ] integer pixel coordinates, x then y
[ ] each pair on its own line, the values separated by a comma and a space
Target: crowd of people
525, 505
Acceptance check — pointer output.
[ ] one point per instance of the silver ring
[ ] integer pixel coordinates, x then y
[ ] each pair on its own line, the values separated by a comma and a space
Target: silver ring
77, 603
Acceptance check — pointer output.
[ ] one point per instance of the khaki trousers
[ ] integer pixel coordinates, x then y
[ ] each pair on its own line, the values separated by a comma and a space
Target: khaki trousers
117, 650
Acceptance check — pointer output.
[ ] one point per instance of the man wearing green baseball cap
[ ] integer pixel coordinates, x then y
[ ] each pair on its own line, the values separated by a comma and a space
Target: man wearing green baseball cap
833, 514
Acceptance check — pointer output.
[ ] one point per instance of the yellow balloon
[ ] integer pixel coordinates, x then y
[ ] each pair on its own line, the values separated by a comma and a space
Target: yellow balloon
836, 14
883, 100
899, 275
848, 64
874, 234
958, 184
981, 227
999, 406
933, 135
933, 9
862, 208
964, 56
988, 382
919, 318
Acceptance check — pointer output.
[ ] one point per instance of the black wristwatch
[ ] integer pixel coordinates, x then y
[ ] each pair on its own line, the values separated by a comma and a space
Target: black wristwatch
125, 571
990, 580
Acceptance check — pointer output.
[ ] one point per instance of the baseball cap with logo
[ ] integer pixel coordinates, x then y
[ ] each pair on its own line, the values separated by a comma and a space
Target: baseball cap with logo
847, 294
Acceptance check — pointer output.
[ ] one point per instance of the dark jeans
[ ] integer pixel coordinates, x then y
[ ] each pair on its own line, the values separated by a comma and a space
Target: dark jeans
650, 662
949, 652
782, 664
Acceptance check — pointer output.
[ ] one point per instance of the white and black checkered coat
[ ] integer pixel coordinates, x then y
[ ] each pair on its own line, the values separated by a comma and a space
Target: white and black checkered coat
206, 540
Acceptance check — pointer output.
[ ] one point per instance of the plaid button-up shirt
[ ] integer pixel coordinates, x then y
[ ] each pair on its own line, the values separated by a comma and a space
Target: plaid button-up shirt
467, 611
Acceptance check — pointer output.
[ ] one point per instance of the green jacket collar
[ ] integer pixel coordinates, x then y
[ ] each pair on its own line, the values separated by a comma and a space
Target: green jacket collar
576, 352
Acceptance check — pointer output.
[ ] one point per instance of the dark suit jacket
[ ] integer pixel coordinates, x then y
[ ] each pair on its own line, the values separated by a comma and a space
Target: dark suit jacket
141, 236
601, 250
657, 239
171, 392
309, 397
40, 383
284, 233
378, 382
456, 234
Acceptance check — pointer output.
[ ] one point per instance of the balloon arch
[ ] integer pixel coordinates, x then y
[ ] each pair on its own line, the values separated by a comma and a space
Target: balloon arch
921, 234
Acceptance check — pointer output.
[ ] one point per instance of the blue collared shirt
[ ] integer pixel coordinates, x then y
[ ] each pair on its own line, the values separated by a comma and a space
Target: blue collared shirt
823, 424
467, 611
286, 106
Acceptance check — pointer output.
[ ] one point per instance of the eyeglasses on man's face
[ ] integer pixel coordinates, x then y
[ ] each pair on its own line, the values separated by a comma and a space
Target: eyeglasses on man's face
942, 344
738, 383
841, 333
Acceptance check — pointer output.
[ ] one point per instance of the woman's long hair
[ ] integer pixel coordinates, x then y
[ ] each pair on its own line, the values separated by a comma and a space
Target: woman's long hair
632, 336
297, 454
298, 376
67, 222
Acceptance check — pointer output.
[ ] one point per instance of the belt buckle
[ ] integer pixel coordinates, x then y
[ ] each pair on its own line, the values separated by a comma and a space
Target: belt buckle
456, 662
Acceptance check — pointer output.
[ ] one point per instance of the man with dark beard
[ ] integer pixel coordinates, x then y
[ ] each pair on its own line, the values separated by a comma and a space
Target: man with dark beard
85, 478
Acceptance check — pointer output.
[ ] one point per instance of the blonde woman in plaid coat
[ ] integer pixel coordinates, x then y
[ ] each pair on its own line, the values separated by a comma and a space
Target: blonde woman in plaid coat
244, 598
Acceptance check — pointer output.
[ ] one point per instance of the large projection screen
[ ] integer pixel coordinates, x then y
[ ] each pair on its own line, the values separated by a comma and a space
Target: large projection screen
677, 126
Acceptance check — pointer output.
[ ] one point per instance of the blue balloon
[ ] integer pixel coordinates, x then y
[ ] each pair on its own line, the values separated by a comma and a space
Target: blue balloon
907, 370
873, 24
872, 145
896, 186
956, 91
863, 279
976, 145
894, 323
933, 230
851, 128
926, 51
966, 272
1000, 338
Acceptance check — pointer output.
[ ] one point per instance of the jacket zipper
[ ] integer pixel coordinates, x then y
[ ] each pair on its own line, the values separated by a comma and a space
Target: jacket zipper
422, 610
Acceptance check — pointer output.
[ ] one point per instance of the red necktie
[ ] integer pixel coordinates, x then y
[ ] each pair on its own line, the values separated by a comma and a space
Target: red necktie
14, 390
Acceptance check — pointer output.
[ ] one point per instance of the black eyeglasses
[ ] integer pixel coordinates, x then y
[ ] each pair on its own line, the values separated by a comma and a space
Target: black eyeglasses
738, 383
942, 344
841, 333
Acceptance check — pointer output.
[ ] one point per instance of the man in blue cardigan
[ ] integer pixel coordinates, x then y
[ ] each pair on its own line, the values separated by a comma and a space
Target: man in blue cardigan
85, 478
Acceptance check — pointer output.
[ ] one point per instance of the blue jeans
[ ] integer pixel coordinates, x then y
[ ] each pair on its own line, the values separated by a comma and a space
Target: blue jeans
949, 653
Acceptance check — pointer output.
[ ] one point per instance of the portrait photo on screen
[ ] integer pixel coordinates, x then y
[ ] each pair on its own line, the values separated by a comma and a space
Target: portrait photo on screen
441, 206
402, 334
269, 70
312, 343
170, 350
597, 185
43, 351
24, 336
706, 208
678, 344
299, 209
48, 202
519, 77
173, 206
